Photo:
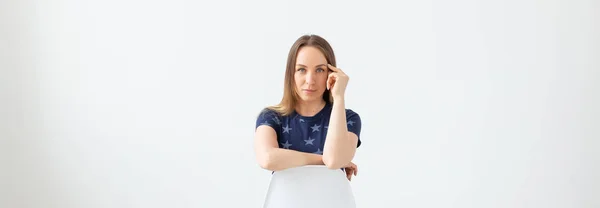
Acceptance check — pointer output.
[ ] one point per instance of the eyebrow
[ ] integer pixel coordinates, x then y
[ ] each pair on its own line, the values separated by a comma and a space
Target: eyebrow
315, 66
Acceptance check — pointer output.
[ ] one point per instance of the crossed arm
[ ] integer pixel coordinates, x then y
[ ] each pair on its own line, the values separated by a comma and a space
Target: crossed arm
269, 156
339, 148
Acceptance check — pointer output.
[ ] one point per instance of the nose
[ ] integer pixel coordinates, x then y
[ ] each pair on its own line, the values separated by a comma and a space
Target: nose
310, 78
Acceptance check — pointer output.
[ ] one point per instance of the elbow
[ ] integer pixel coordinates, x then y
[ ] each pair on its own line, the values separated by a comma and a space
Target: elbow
264, 164
265, 161
333, 163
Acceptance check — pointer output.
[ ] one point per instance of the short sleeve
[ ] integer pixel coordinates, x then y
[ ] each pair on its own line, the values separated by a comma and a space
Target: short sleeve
354, 124
270, 118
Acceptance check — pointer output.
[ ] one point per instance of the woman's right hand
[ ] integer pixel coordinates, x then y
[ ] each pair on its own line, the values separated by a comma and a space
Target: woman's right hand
351, 169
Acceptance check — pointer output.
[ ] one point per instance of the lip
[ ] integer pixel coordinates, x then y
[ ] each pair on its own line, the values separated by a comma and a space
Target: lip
309, 91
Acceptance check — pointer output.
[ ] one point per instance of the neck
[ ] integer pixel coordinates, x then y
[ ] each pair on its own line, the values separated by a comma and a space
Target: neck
310, 108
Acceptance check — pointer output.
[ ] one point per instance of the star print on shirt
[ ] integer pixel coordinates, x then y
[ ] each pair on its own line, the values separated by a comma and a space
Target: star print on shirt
287, 129
351, 123
305, 134
309, 141
315, 127
286, 145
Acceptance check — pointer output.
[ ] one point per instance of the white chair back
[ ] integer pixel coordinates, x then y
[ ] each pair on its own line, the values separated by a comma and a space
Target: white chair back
310, 186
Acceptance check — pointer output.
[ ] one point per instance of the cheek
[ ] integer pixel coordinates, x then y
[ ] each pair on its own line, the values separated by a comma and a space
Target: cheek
296, 79
323, 80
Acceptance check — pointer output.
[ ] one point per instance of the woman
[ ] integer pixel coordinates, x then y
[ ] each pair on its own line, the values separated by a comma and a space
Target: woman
310, 126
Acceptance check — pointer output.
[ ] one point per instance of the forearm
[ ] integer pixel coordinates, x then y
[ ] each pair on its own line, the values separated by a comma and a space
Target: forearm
280, 159
337, 150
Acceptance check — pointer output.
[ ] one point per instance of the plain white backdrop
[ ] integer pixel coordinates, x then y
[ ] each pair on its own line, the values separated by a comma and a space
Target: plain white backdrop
152, 103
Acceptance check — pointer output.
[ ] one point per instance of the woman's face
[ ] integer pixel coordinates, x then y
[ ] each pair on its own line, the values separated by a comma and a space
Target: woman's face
311, 73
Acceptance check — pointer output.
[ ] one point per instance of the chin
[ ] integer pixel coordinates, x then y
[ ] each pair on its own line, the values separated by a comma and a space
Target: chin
311, 98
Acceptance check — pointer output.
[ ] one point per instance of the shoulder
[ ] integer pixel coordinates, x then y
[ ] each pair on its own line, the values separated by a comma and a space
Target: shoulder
351, 113
353, 119
354, 124
267, 112
268, 116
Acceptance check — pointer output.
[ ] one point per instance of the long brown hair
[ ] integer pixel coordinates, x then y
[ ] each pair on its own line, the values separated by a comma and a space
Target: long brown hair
290, 95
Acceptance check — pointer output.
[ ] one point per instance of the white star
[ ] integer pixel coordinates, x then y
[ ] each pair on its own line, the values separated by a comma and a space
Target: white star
326, 127
309, 141
286, 145
287, 129
301, 120
351, 122
318, 151
315, 127
265, 123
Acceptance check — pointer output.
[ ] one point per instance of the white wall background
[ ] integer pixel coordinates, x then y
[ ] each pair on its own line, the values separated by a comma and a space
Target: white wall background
152, 103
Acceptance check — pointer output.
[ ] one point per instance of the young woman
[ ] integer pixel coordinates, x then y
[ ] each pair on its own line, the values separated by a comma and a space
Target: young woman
311, 125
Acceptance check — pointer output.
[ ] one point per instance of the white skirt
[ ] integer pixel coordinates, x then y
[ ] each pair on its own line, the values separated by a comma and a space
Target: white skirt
311, 186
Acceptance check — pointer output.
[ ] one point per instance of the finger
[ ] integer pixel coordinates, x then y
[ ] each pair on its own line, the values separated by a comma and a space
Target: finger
331, 86
331, 80
335, 69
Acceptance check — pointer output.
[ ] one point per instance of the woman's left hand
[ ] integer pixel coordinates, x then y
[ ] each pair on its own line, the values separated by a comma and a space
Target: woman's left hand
351, 169
337, 82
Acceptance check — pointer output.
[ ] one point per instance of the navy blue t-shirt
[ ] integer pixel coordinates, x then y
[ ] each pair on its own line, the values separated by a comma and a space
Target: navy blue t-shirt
305, 134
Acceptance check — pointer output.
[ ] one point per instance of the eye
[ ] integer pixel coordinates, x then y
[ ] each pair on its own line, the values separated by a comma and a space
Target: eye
301, 69
320, 70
